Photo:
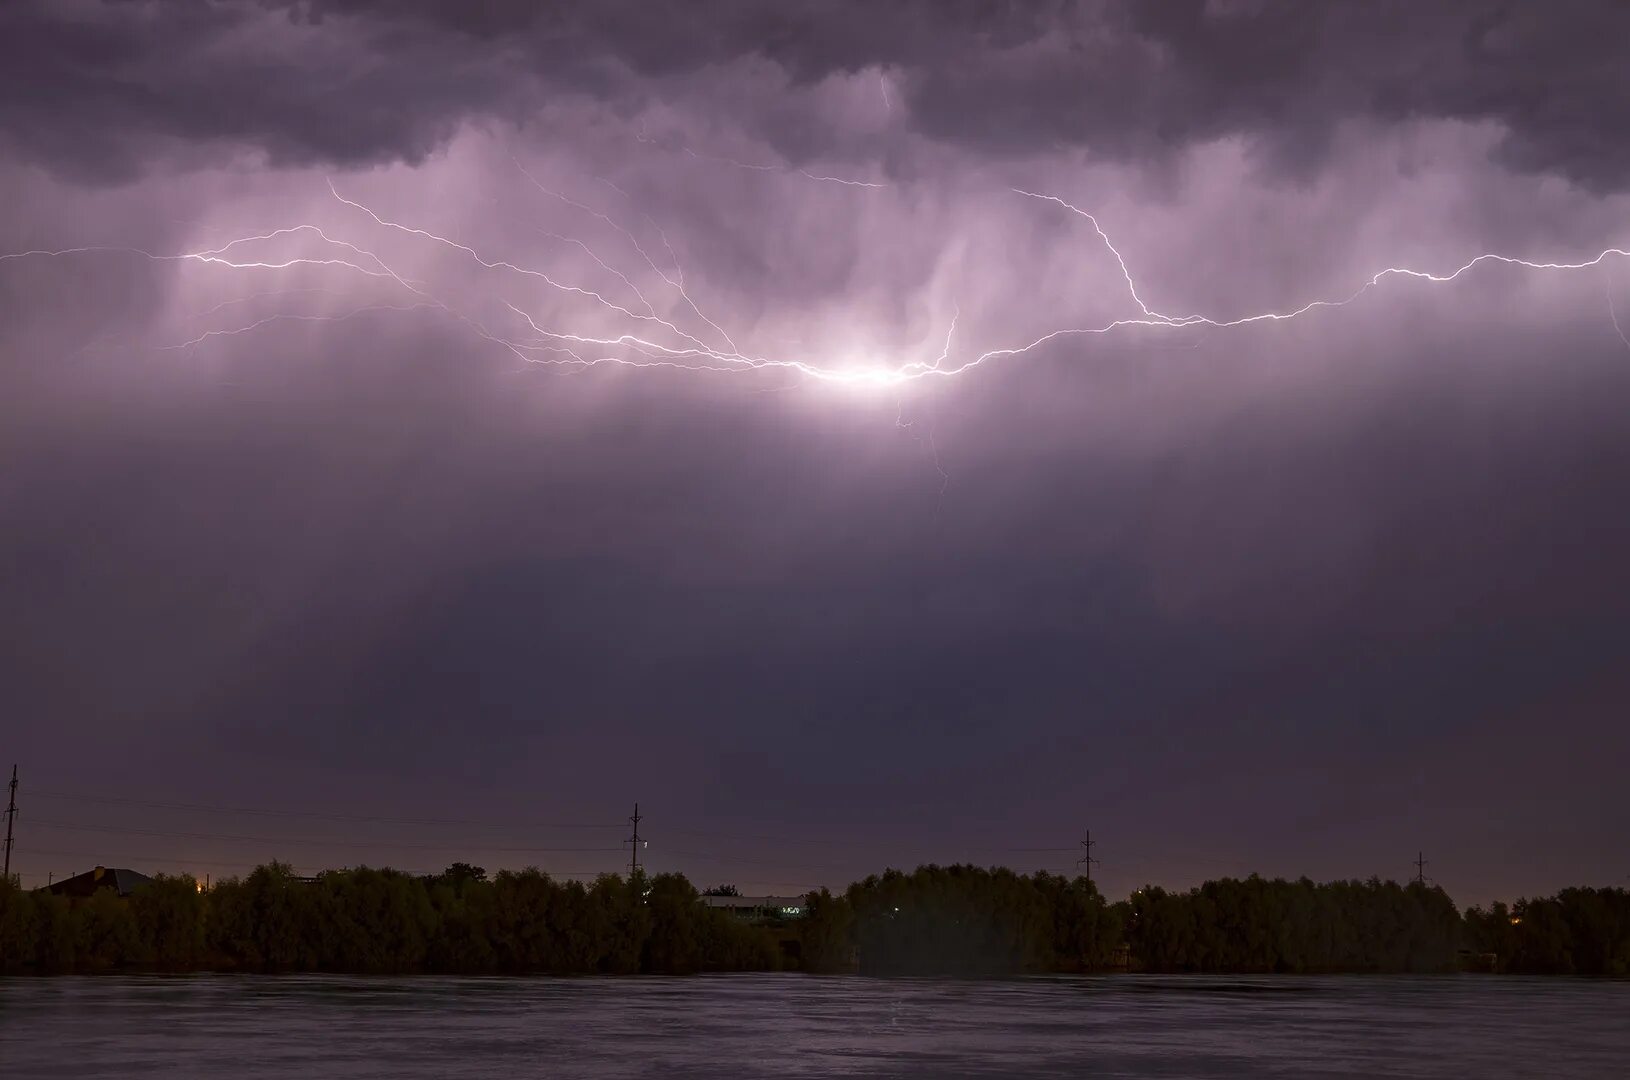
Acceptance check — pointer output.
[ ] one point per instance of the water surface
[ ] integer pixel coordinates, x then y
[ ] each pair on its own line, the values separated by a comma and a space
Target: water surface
248, 1027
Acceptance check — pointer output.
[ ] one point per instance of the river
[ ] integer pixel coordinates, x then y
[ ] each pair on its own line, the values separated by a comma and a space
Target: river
314, 1027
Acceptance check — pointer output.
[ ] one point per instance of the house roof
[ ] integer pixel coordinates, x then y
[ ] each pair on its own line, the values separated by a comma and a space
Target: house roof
120, 879
739, 902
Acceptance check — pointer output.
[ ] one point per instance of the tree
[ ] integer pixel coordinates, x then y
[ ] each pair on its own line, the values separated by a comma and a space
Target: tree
169, 914
106, 932
951, 920
263, 922
827, 932
674, 943
934, 920
19, 928
459, 875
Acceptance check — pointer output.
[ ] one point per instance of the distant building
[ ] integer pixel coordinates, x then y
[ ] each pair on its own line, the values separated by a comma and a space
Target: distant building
80, 886
759, 907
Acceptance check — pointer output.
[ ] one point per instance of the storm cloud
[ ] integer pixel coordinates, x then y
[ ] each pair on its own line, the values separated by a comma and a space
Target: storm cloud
88, 86
334, 521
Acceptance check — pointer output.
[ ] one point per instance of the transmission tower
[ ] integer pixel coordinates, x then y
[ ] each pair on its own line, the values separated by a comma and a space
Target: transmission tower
634, 844
1087, 860
11, 815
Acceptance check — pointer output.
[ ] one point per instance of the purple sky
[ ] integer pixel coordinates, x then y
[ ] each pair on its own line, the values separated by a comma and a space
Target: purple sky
824, 565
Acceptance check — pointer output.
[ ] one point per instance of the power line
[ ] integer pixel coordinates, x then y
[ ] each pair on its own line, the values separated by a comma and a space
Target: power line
393, 845
760, 838
639, 843
871, 849
268, 812
184, 860
178, 860
844, 866
642, 844
317, 841
854, 844
708, 857
487, 823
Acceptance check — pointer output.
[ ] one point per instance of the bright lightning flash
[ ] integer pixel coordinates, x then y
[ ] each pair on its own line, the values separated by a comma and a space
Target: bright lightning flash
652, 340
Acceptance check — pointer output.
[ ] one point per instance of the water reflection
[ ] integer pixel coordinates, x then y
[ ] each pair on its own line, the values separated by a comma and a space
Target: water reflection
752, 1025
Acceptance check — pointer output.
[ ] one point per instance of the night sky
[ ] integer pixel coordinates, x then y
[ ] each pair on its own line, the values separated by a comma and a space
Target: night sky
694, 452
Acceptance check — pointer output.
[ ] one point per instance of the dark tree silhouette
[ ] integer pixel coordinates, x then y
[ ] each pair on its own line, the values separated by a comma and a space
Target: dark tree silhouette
935, 920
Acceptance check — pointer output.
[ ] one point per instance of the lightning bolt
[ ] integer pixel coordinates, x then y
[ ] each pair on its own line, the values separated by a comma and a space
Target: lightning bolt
657, 338
1613, 314
251, 297
805, 173
677, 282
281, 317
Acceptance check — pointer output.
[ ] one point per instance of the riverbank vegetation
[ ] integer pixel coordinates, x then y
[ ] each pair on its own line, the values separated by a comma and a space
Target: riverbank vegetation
957, 920
384, 921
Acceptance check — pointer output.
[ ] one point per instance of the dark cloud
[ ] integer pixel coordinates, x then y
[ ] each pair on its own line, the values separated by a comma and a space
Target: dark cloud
98, 90
1167, 582
88, 86
691, 603
1141, 79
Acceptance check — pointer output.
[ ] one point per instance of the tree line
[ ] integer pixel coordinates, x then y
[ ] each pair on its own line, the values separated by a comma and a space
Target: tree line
955, 920
961, 920
385, 921
1576, 932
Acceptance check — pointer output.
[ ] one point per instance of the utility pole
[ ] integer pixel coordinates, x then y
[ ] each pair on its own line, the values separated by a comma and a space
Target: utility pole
1087, 860
634, 844
1420, 868
11, 815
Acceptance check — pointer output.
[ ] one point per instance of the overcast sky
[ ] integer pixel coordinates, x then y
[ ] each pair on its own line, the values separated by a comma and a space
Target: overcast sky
685, 404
